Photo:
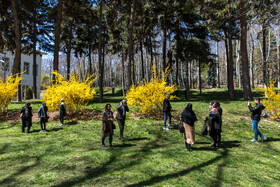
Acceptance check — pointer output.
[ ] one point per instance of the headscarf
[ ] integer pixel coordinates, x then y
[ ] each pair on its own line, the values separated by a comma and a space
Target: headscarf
188, 116
27, 104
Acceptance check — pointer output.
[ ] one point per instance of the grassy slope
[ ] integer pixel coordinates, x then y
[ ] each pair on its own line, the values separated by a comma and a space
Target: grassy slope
71, 155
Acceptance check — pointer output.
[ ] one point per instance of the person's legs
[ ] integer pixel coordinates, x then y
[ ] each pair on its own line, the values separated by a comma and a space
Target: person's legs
61, 120
28, 124
44, 125
111, 139
121, 126
22, 126
169, 119
164, 119
102, 141
256, 131
41, 123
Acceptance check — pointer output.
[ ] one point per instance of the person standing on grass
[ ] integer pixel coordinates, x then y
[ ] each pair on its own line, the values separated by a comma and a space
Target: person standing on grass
107, 125
122, 109
256, 117
188, 117
167, 112
26, 117
42, 114
215, 124
62, 112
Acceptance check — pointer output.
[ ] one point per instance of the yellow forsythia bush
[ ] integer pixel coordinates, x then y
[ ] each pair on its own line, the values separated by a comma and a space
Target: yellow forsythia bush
272, 100
73, 91
150, 95
8, 90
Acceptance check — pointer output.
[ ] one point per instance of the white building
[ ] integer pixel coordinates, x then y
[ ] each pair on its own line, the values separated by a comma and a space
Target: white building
6, 64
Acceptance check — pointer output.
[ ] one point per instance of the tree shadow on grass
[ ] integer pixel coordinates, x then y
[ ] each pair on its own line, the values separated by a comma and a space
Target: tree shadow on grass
125, 145
104, 168
13, 176
72, 123
5, 146
138, 139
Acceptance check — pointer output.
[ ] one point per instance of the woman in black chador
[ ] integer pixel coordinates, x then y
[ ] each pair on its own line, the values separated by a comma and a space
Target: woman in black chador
188, 117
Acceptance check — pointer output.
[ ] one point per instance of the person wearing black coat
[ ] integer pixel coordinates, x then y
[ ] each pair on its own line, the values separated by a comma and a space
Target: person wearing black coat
42, 114
188, 117
215, 125
26, 117
122, 109
167, 112
62, 112
256, 117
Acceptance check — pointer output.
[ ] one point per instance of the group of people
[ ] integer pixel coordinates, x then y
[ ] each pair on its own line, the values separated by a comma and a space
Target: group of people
213, 122
26, 116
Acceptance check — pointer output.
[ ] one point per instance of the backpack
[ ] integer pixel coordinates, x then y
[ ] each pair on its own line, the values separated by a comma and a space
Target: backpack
26, 113
181, 128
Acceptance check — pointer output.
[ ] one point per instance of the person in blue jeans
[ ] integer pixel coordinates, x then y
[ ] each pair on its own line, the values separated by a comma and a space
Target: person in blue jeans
167, 112
256, 117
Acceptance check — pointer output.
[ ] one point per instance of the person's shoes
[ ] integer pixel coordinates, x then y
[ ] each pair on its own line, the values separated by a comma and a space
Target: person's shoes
254, 140
165, 128
42, 131
170, 125
60, 124
103, 145
111, 146
264, 138
121, 139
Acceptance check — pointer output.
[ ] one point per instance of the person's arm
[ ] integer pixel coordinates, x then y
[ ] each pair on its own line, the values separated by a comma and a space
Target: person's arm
119, 106
252, 109
126, 108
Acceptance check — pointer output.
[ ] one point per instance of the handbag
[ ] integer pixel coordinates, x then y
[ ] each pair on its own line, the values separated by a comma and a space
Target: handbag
113, 126
181, 128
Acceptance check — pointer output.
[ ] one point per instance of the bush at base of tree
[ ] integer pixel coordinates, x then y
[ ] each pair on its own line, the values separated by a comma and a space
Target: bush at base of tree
272, 100
150, 95
29, 93
8, 90
73, 91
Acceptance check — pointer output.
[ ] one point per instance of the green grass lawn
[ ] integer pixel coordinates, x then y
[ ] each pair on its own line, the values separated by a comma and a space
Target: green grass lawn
71, 155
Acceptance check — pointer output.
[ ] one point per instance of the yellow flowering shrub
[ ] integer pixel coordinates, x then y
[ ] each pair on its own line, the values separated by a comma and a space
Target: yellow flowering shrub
73, 91
8, 90
150, 95
272, 100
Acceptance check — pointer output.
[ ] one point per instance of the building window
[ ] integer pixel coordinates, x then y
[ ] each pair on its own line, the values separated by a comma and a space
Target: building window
26, 68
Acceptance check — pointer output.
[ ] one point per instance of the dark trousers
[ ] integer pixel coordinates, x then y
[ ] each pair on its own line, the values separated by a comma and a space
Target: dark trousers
165, 115
43, 123
215, 134
25, 123
121, 123
61, 118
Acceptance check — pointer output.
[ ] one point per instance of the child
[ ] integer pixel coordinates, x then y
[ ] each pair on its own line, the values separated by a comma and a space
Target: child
62, 111
42, 114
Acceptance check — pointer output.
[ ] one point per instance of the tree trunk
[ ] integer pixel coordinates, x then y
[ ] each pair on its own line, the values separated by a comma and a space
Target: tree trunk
187, 91
199, 77
123, 72
164, 47
130, 43
247, 95
57, 36
278, 55
218, 68
252, 61
152, 58
34, 55
142, 60
230, 61
17, 59
100, 53
177, 69
69, 47
264, 55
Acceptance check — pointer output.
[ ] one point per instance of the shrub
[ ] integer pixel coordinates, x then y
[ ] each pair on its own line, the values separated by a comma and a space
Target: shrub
272, 100
150, 95
29, 93
75, 92
8, 90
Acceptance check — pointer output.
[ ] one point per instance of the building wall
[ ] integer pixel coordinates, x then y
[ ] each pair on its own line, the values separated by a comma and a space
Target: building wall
27, 78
